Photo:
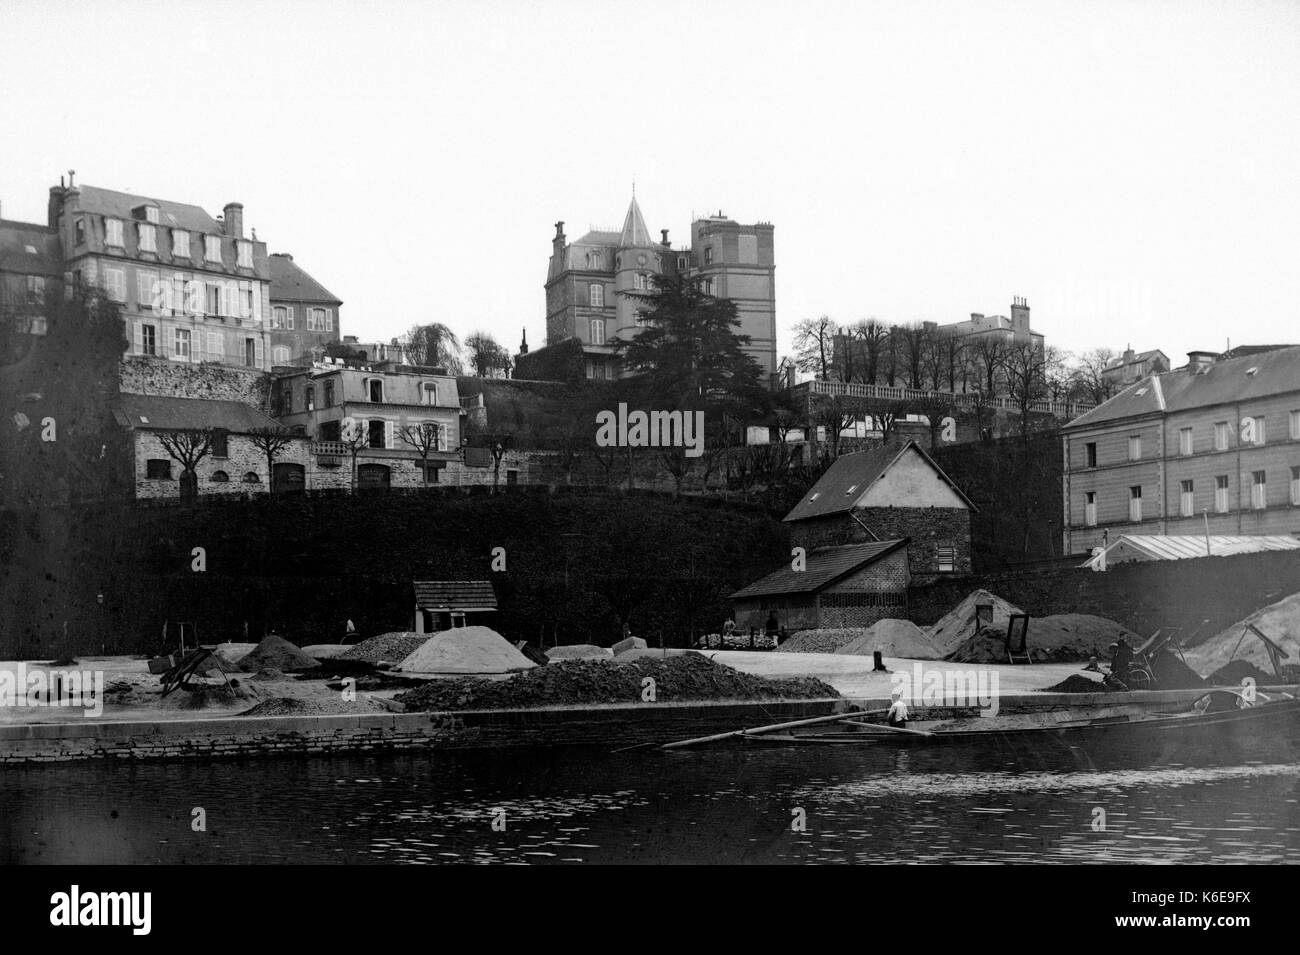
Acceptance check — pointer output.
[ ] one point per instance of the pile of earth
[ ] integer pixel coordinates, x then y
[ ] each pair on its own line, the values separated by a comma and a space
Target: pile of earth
1058, 638
393, 647
893, 638
267, 674
279, 654
293, 706
689, 677
580, 651
325, 651
958, 625
218, 662
1074, 683
825, 640
1238, 671
234, 651
1280, 622
466, 650
201, 696
651, 653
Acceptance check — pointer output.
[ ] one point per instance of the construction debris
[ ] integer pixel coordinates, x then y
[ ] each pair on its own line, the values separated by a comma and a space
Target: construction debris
394, 647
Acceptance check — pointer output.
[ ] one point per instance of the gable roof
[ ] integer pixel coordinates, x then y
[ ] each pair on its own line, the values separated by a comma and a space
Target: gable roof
825, 566
1139, 357
455, 595
119, 205
158, 413
291, 283
1224, 382
17, 242
851, 476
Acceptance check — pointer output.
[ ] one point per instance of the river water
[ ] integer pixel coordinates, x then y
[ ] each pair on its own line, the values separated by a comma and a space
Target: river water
1215, 799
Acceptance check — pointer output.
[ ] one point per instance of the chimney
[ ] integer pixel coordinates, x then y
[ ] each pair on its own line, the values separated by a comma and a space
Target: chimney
57, 195
1020, 314
523, 345
1199, 362
664, 234
557, 244
1129, 354
977, 316
234, 219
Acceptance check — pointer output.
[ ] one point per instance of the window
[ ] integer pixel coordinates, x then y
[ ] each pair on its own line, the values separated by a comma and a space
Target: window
245, 253
641, 281
1090, 509
180, 244
1221, 436
113, 232
35, 289
1187, 501
1221, 494
1134, 447
212, 249
279, 316
1135, 503
1252, 430
375, 389
708, 255
148, 235
1295, 426
430, 393
598, 331
597, 293
330, 431
220, 443
947, 558
145, 283
316, 319
181, 344
1295, 485
245, 300
1184, 440
251, 351
216, 346
376, 433
1090, 454
158, 469
286, 398
329, 394
115, 284
1258, 491
147, 343
280, 355
151, 214
309, 398
81, 232
220, 477
512, 477
251, 477
214, 299
431, 472
681, 263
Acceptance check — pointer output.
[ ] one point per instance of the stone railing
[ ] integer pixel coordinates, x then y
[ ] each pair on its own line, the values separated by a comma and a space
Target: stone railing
857, 389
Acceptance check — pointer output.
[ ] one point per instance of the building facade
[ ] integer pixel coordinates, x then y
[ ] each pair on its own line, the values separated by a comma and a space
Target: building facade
1213, 447
1132, 366
592, 283
31, 268
304, 314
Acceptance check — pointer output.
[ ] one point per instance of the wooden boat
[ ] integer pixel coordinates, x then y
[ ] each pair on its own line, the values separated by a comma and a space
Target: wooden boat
1215, 708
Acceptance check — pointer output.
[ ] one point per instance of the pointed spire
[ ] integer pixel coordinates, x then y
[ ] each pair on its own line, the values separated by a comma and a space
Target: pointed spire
634, 231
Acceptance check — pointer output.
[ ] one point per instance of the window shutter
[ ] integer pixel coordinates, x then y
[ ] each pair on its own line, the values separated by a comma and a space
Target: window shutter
257, 302
196, 346
289, 315
329, 319
214, 343
257, 352
389, 429
139, 339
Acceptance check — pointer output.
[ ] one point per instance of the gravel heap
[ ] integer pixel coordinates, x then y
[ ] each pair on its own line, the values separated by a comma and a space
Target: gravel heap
1279, 621
466, 650
394, 647
828, 640
894, 638
279, 654
690, 677
1058, 638
580, 651
958, 625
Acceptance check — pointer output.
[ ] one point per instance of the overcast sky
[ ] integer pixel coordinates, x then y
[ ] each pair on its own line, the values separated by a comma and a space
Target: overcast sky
1131, 168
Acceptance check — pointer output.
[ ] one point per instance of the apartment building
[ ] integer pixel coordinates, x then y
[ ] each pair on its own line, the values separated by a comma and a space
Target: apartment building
304, 313
1213, 447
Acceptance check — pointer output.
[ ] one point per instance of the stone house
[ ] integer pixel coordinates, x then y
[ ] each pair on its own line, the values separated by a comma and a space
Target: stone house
852, 585
443, 604
304, 314
889, 493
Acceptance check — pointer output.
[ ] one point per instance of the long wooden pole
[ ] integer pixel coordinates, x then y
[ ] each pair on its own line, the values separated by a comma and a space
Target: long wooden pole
771, 729
891, 729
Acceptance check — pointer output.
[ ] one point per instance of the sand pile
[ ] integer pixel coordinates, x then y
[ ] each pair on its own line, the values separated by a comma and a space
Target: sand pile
689, 677
894, 638
826, 640
1280, 622
234, 651
958, 625
394, 647
325, 651
277, 653
466, 650
1058, 638
580, 651
218, 663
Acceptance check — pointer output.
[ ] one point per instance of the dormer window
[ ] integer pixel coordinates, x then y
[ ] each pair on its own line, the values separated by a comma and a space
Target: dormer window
852, 488
212, 249
151, 214
814, 497
245, 254
148, 237
375, 389
180, 243
113, 232
430, 393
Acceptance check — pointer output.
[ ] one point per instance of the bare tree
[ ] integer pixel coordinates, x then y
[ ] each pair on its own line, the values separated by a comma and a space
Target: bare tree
434, 345
355, 439
1089, 375
814, 345
1026, 367
677, 464
872, 339
836, 414
270, 441
990, 355
425, 439
913, 348
486, 356
187, 447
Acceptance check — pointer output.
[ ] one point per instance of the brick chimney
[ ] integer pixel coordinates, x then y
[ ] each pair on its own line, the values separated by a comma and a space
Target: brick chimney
1019, 314
234, 219
1199, 362
664, 237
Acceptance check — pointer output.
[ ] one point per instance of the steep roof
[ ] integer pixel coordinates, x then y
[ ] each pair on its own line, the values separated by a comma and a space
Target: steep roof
849, 478
600, 238
158, 413
635, 234
1236, 379
29, 248
825, 566
455, 594
120, 205
291, 283
1137, 358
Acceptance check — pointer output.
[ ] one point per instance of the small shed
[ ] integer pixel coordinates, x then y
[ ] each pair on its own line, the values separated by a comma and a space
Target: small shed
443, 604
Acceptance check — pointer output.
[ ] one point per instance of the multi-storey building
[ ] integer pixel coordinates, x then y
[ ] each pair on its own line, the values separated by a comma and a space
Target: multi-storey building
1131, 366
1213, 447
192, 288
304, 314
592, 283
31, 268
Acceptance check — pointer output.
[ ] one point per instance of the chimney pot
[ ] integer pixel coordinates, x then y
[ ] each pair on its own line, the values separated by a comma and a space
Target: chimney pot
664, 234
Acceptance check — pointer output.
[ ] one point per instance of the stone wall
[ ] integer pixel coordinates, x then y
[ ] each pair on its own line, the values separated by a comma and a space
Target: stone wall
926, 527
142, 375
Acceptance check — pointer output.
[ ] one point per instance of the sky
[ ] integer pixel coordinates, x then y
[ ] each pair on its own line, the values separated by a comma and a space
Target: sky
1130, 168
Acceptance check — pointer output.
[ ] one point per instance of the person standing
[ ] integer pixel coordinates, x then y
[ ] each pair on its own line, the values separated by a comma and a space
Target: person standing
898, 714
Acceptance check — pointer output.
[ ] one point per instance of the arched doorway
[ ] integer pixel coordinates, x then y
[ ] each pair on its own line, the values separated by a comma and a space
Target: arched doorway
373, 477
288, 478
